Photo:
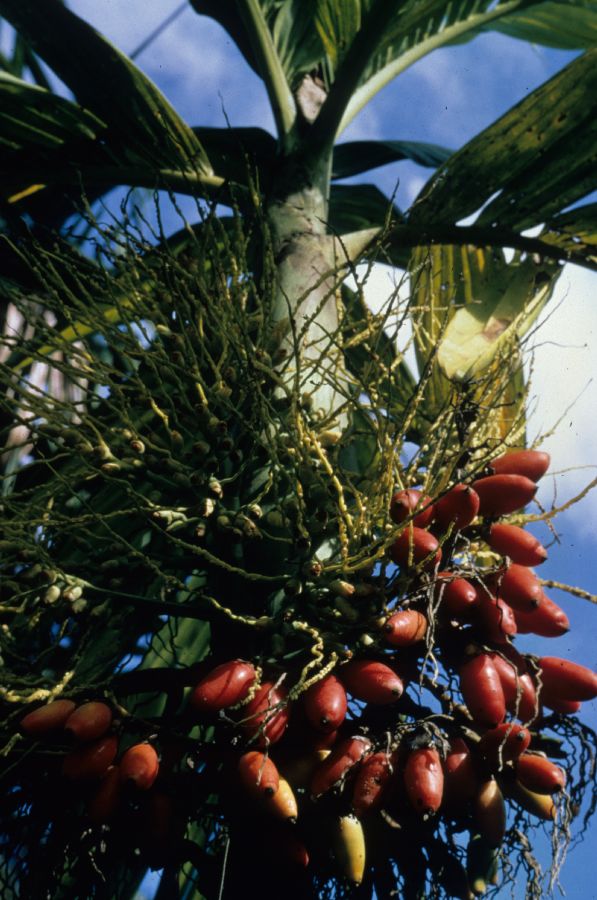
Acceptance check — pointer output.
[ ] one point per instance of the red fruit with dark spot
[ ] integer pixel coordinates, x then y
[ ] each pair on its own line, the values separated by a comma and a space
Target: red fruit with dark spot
518, 586
258, 774
424, 779
482, 690
405, 628
500, 495
458, 507
532, 464
140, 766
372, 782
566, 680
226, 685
326, 704
342, 758
416, 547
266, 715
371, 681
47, 719
503, 744
546, 620
521, 546
91, 761
404, 503
89, 721
457, 595
494, 617
538, 774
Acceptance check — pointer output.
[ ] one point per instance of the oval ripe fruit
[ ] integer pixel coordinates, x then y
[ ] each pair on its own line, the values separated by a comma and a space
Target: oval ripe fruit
89, 721
563, 707
342, 758
495, 617
538, 774
326, 704
258, 774
458, 596
503, 494
405, 628
104, 803
532, 464
521, 546
282, 804
415, 547
490, 812
264, 718
404, 503
91, 761
226, 685
47, 719
349, 848
565, 680
458, 507
139, 766
519, 587
540, 805
503, 744
519, 689
460, 778
547, 620
371, 681
424, 780
482, 690
371, 783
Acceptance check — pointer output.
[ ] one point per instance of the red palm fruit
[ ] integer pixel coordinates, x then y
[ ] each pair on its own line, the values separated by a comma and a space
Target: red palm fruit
140, 766
503, 744
371, 782
459, 506
404, 628
564, 707
91, 761
482, 690
460, 778
518, 586
342, 758
518, 687
371, 681
404, 503
325, 704
521, 546
105, 801
415, 547
538, 774
490, 812
258, 774
532, 464
282, 804
458, 596
503, 494
566, 680
495, 617
264, 717
547, 620
47, 719
89, 721
424, 779
226, 685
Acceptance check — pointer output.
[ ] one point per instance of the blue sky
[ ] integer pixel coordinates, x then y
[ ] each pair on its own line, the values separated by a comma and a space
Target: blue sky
445, 99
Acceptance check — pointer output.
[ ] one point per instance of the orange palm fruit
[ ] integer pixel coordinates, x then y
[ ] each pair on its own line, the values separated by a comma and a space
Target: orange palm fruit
521, 546
459, 506
458, 596
540, 805
460, 777
566, 680
326, 703
343, 757
371, 782
404, 503
482, 690
500, 495
140, 766
490, 812
47, 719
92, 760
540, 775
403, 628
265, 717
258, 773
503, 744
518, 687
371, 681
424, 779
226, 685
89, 721
518, 586
282, 803
416, 547
532, 464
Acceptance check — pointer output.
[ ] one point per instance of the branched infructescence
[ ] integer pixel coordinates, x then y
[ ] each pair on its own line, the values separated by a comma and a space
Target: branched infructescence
196, 552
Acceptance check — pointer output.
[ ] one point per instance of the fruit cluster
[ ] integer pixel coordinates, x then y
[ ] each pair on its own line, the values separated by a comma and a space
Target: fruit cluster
343, 742
91, 764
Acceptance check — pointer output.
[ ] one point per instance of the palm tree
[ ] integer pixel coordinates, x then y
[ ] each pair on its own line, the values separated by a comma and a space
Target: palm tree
206, 431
